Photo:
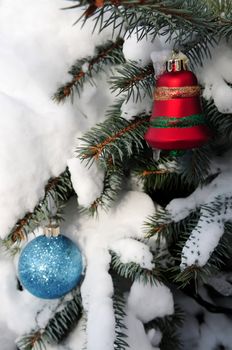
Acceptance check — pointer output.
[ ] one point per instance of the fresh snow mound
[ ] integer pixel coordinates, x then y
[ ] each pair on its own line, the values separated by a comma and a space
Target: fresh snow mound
215, 74
130, 108
87, 181
130, 250
137, 338
150, 301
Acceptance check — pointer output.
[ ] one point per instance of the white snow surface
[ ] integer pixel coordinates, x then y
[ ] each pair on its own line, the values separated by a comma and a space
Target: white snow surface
135, 251
26, 312
150, 301
132, 107
87, 181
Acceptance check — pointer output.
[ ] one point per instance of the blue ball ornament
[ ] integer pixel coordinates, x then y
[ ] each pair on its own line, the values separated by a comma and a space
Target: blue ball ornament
50, 267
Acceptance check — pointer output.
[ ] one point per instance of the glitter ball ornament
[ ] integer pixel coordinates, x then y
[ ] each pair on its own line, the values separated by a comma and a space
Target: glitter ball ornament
177, 121
50, 267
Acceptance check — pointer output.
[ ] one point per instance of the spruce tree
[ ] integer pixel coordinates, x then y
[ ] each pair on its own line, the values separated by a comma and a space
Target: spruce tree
183, 249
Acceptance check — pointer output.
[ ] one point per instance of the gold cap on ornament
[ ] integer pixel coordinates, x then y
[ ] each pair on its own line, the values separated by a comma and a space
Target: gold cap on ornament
177, 62
52, 229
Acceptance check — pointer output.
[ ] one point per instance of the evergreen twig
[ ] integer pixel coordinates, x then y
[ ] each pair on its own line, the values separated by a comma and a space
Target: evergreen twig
57, 329
136, 81
59, 188
106, 55
111, 188
115, 139
134, 271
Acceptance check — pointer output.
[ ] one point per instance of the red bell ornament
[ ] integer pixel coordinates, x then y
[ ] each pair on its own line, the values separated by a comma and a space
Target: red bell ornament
177, 122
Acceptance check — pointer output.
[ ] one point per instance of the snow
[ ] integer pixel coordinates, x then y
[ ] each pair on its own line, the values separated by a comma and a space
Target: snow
37, 135
155, 336
150, 301
96, 238
130, 108
7, 338
214, 76
28, 312
97, 291
216, 330
212, 331
147, 49
87, 181
144, 303
77, 338
136, 335
159, 59
135, 251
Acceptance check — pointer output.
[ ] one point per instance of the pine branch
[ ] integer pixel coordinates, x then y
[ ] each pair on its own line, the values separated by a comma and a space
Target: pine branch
198, 49
160, 224
220, 6
31, 341
191, 274
57, 328
60, 189
93, 5
134, 80
195, 165
106, 55
195, 15
133, 271
178, 8
217, 259
221, 124
119, 307
114, 139
199, 23
163, 174
112, 185
64, 321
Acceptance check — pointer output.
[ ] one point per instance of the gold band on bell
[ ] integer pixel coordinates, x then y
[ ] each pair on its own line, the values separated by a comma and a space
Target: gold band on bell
169, 93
